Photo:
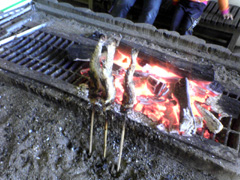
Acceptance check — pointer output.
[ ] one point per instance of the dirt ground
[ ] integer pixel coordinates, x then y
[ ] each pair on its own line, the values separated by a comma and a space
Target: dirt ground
40, 139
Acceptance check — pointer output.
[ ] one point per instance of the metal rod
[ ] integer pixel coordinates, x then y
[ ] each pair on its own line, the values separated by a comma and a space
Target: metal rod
9, 29
91, 131
105, 138
22, 34
16, 25
15, 15
121, 144
13, 11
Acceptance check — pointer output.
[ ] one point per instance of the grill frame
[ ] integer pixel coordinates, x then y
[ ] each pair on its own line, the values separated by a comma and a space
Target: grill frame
57, 61
65, 80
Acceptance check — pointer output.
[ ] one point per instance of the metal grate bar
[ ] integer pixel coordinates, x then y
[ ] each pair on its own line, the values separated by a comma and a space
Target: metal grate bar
65, 75
19, 48
50, 56
35, 51
58, 73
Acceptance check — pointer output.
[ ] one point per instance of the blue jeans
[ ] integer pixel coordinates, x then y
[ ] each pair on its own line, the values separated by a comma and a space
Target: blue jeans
148, 14
187, 16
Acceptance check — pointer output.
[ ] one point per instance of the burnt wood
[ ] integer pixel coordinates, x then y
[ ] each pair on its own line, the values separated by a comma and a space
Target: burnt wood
187, 120
177, 65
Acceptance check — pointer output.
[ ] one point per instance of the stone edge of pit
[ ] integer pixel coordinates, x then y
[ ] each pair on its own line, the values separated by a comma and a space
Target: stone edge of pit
143, 32
67, 95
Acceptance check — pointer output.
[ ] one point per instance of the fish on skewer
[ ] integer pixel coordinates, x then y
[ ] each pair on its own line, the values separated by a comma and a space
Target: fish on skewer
95, 83
129, 98
107, 82
101, 84
106, 78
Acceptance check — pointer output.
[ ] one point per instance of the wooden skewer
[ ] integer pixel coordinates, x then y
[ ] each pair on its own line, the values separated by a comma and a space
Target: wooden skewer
129, 98
95, 83
91, 131
121, 144
105, 138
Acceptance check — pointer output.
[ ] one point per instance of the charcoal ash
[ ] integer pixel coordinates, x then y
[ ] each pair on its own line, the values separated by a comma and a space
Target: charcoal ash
42, 138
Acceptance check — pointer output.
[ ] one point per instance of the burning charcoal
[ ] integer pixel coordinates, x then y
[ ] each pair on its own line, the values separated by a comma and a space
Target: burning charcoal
144, 100
163, 91
213, 124
152, 81
148, 101
187, 120
141, 74
216, 106
199, 122
157, 87
129, 98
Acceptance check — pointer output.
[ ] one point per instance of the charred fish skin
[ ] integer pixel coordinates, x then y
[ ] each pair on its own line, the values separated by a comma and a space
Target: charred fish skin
129, 95
107, 79
95, 69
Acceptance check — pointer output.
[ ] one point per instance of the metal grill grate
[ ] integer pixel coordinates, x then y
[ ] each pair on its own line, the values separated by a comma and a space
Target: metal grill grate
47, 53
230, 135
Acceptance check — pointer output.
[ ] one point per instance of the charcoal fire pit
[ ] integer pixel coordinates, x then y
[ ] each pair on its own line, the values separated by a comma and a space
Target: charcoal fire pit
46, 112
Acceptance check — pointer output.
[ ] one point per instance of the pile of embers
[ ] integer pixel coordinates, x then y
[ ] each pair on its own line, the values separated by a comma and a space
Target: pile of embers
175, 102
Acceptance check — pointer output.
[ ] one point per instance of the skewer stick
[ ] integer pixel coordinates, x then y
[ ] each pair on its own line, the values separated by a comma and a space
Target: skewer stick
105, 138
91, 131
129, 97
121, 144
108, 84
95, 84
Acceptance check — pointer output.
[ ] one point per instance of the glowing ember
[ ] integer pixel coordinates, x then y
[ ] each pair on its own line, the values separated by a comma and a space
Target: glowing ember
164, 110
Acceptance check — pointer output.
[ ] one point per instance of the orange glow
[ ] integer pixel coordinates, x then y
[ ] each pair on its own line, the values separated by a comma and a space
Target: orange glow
166, 109
161, 109
163, 72
206, 134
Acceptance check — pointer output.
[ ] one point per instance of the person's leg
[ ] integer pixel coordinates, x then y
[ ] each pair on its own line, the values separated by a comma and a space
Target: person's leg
192, 18
149, 11
177, 18
122, 7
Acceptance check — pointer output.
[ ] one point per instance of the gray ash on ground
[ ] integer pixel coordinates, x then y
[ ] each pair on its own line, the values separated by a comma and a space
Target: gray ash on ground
40, 139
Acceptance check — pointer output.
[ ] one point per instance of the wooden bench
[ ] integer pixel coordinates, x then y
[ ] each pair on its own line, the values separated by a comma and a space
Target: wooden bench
218, 30
212, 27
